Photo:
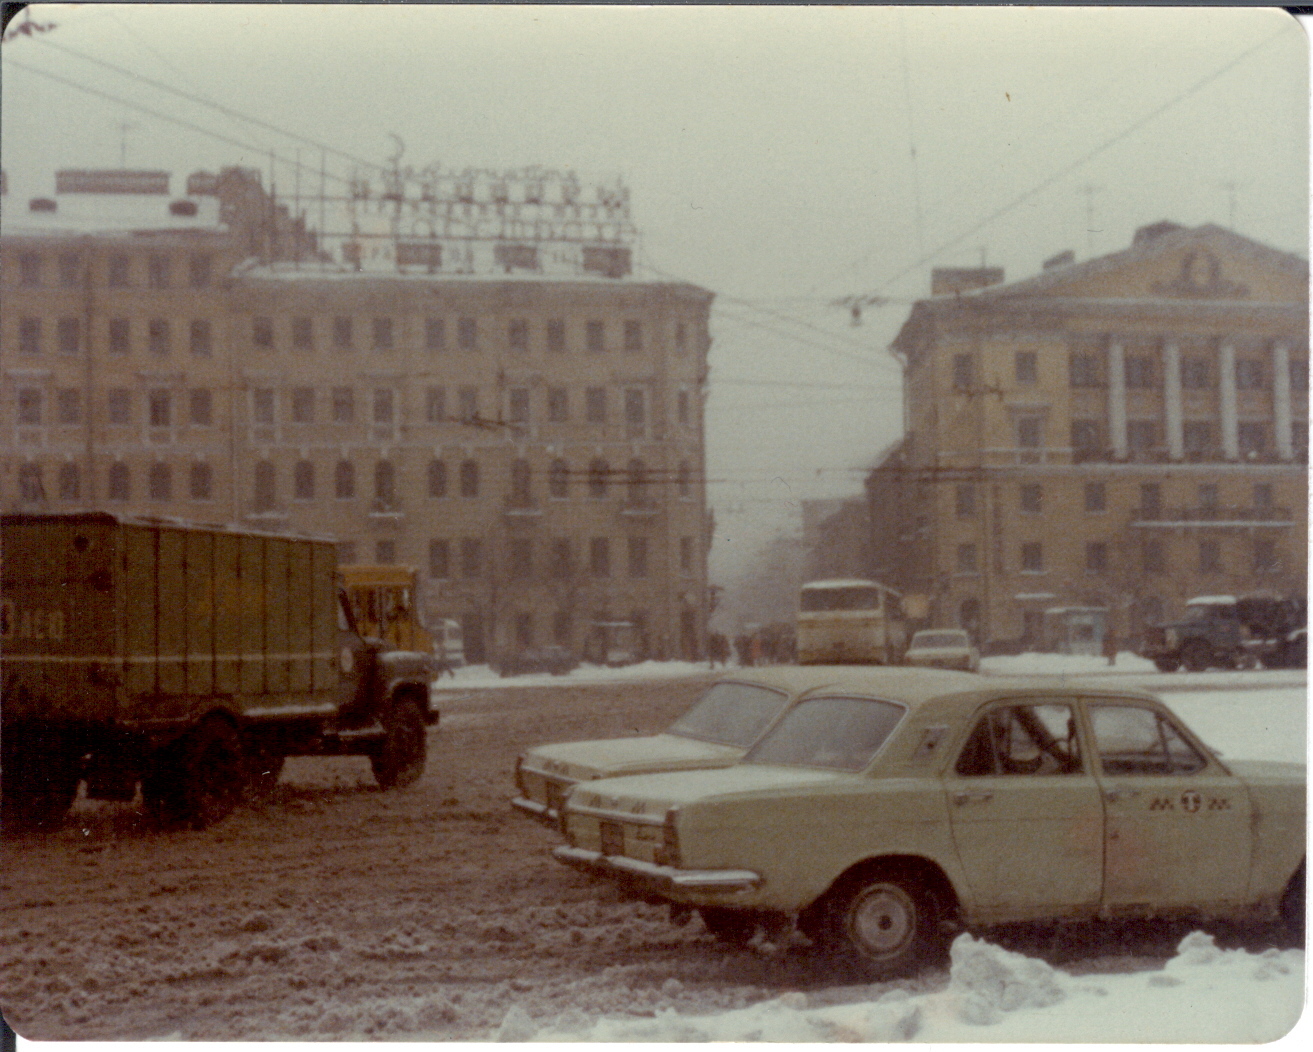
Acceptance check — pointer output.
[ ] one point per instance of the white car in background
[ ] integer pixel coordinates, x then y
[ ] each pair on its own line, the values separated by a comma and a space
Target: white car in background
943, 648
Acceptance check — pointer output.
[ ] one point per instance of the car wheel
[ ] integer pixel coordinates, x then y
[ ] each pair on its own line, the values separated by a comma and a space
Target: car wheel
1166, 664
886, 923
399, 761
736, 927
1196, 655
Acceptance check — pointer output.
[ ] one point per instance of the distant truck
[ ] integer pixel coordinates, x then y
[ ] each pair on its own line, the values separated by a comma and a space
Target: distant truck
187, 659
1226, 632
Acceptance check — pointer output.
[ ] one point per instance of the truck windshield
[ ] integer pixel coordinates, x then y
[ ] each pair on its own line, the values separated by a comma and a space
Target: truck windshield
730, 714
843, 734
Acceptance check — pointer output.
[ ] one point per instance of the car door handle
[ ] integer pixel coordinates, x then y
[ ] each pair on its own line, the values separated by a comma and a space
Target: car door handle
1113, 795
972, 796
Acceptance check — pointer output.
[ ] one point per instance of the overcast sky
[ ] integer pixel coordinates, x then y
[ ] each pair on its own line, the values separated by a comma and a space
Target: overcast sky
781, 157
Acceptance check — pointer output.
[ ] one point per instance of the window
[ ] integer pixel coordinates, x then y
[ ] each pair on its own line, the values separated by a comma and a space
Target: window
599, 557
595, 337
1210, 557
1154, 558
636, 479
558, 480
521, 479
385, 552
159, 482
437, 478
119, 483
29, 405
518, 336
1265, 556
1142, 435
1027, 368
595, 405
964, 499
1194, 372
633, 337
160, 408
1032, 497
118, 404
120, 336
471, 557
469, 478
68, 406
1083, 369
684, 479
1022, 740
556, 336
524, 630
598, 475
29, 336
435, 334
383, 406
343, 337
1141, 371
1208, 496
964, 371
1030, 432
467, 334
519, 553
344, 405
201, 338
29, 269
344, 480
70, 482
1096, 557
303, 480
1299, 375
469, 403
1263, 496
966, 559
558, 405
439, 559
262, 405
31, 484
1151, 500
200, 483
1134, 740
303, 405
517, 399
199, 267
70, 269
635, 412
266, 489
1032, 557
682, 406
119, 276
385, 484
681, 338
262, 333
382, 334
157, 337
562, 558
1248, 374
435, 405
69, 335
303, 334
1096, 496
1253, 438
686, 554
637, 556
157, 272
1197, 437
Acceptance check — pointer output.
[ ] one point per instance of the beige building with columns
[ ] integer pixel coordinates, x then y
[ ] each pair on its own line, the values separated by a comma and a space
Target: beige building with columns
1088, 448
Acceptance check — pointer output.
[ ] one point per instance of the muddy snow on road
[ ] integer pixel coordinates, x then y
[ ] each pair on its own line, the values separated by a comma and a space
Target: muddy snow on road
336, 911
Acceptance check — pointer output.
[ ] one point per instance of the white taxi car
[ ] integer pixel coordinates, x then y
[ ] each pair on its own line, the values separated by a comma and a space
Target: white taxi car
943, 648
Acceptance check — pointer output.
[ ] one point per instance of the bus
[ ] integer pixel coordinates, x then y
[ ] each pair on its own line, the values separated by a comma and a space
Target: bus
850, 622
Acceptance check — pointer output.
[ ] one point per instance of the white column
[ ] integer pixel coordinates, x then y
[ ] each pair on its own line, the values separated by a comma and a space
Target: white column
1172, 400
1117, 399
1281, 412
1226, 386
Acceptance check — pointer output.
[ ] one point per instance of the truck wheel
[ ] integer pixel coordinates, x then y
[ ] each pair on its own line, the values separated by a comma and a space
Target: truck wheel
1166, 664
400, 759
200, 779
37, 791
1196, 655
736, 927
886, 923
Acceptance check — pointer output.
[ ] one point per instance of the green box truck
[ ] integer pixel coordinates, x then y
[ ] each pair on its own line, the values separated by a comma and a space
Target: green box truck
188, 659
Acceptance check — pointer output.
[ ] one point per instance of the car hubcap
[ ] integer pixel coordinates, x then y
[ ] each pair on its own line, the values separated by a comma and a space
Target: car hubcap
884, 919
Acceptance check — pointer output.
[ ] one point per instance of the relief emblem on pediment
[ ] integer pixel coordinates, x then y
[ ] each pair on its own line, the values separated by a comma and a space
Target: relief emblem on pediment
1201, 278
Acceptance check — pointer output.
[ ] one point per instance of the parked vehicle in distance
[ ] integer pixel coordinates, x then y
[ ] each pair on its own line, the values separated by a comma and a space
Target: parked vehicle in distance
556, 660
449, 642
1226, 632
845, 622
189, 659
943, 648
715, 732
884, 815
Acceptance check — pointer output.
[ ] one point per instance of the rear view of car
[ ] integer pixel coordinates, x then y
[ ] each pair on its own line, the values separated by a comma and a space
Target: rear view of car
943, 648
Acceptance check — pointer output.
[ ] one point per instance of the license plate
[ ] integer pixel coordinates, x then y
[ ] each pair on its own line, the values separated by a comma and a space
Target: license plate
613, 838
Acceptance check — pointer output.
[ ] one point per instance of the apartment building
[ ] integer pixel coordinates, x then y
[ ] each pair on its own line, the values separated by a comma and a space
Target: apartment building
525, 430
1088, 448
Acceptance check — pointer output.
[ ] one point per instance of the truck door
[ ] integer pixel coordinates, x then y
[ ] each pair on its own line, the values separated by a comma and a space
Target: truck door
1177, 823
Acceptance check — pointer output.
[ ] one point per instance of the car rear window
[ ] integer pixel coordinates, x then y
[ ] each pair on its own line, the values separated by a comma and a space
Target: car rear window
731, 714
835, 732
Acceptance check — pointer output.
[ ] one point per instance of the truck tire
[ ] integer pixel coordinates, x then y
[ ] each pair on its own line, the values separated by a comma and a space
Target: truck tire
1166, 664
1196, 655
886, 923
399, 761
36, 789
200, 779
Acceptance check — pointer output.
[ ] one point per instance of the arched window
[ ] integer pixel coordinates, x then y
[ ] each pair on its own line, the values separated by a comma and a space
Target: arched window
558, 479
637, 480
266, 490
70, 482
201, 484
598, 472
344, 480
303, 480
159, 482
437, 478
469, 478
31, 486
521, 483
119, 483
385, 483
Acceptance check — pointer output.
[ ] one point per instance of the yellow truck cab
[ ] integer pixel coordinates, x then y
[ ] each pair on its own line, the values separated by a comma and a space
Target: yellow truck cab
382, 599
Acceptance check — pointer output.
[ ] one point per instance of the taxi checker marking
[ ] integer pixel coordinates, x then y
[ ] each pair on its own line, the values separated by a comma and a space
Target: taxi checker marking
1191, 802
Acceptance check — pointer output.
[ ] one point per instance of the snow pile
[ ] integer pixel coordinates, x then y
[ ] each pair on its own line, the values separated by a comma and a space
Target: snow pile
1035, 664
483, 676
1204, 994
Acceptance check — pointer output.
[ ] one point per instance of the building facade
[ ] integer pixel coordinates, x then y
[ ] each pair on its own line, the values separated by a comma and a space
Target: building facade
1088, 448
526, 432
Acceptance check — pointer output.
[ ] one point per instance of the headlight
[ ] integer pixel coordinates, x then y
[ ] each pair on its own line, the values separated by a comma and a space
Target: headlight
668, 853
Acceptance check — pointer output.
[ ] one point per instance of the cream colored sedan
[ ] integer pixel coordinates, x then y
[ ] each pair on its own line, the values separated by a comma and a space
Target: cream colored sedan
943, 648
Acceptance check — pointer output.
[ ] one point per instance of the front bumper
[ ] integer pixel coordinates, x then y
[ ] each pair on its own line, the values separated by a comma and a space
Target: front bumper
548, 816
658, 880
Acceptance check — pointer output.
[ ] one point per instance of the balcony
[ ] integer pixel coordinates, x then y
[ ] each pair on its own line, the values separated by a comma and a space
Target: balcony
1219, 516
640, 509
521, 509
386, 511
